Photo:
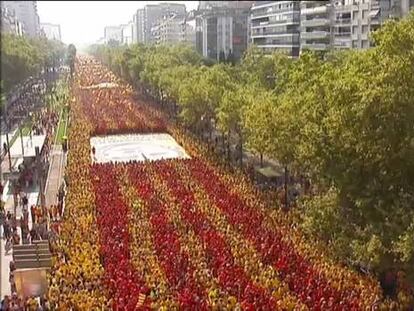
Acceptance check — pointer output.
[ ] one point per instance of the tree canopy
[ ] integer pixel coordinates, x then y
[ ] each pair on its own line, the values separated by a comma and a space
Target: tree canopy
22, 57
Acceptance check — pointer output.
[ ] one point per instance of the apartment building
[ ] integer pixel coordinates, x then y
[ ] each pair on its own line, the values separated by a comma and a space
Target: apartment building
275, 26
10, 23
224, 28
148, 18
138, 28
342, 25
26, 13
113, 33
127, 30
51, 31
345, 24
315, 25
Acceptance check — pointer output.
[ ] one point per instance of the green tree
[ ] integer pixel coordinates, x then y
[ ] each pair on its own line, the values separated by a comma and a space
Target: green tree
258, 122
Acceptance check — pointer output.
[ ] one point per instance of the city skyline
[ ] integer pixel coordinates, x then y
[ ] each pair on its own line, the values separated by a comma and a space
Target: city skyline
80, 27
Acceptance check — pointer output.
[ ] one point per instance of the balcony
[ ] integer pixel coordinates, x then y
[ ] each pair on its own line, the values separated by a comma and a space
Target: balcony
259, 15
346, 44
343, 21
315, 22
314, 46
342, 34
315, 35
261, 34
317, 10
273, 23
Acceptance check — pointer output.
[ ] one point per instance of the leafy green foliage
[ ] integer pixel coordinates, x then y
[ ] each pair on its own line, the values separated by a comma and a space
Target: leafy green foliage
23, 57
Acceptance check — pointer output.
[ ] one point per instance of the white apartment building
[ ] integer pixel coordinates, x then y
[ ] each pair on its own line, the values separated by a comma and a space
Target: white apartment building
9, 22
113, 33
127, 33
275, 26
345, 24
174, 29
138, 28
224, 30
315, 25
146, 20
51, 31
26, 13
188, 31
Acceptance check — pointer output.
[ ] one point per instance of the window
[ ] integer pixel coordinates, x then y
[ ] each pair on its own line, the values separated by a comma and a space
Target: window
365, 29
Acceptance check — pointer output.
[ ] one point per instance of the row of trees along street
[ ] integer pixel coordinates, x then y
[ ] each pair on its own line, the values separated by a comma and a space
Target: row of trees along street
23, 58
27, 63
345, 119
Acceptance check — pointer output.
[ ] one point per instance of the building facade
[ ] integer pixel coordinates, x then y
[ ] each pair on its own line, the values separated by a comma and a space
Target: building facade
127, 31
345, 24
174, 29
275, 26
26, 13
114, 33
149, 17
315, 25
51, 31
10, 23
138, 27
224, 28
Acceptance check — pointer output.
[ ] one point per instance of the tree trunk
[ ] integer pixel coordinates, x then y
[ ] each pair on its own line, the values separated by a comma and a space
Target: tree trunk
228, 147
241, 151
286, 187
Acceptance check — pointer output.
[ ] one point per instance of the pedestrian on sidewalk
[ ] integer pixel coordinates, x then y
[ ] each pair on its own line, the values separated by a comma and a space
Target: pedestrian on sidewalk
16, 238
12, 283
32, 213
25, 201
6, 228
34, 235
8, 245
2, 220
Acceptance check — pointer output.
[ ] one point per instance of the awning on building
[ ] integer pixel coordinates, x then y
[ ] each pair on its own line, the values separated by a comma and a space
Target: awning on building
374, 13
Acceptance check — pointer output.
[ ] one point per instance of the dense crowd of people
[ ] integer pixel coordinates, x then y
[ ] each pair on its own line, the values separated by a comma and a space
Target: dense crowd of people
184, 234
24, 99
18, 303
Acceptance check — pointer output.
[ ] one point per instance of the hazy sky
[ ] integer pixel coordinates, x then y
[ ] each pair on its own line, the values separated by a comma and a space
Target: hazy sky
83, 22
